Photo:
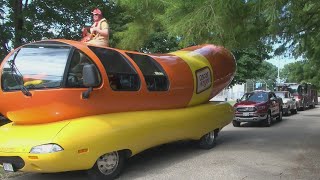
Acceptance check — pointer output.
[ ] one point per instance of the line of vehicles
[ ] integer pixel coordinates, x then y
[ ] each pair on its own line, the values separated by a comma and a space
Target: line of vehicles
264, 106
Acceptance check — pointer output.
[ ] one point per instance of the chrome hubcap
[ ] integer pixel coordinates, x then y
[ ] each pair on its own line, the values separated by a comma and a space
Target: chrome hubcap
108, 163
210, 137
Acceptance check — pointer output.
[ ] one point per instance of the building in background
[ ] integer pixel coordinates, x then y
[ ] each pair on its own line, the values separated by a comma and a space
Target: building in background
237, 91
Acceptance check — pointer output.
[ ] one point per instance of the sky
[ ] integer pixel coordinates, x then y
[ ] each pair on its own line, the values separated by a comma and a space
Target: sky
284, 59
281, 61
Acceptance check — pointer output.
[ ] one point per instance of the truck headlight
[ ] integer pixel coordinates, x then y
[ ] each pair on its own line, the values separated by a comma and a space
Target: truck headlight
261, 108
46, 148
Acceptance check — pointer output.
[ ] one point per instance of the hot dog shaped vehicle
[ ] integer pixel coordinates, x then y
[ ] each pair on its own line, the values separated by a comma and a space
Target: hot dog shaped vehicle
80, 107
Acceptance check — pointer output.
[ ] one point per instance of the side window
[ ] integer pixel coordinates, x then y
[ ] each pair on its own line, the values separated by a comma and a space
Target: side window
75, 76
153, 73
273, 96
10, 80
122, 76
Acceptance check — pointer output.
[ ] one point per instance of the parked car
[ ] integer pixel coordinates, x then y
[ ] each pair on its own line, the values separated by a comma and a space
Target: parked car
258, 106
290, 105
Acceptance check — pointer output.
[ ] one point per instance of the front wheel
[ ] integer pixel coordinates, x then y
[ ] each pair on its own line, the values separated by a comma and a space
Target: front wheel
236, 123
208, 141
279, 118
268, 120
108, 166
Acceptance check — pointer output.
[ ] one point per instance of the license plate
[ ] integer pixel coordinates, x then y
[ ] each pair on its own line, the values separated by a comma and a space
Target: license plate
246, 114
8, 167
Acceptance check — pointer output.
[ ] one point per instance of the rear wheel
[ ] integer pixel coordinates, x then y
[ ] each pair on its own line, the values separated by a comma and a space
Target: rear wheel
208, 141
236, 123
108, 166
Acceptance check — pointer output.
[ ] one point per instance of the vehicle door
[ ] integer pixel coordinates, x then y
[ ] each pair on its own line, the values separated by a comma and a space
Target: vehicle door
274, 103
291, 101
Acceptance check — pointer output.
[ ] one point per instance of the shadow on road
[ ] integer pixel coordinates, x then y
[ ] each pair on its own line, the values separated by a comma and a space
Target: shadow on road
261, 124
153, 159
75, 175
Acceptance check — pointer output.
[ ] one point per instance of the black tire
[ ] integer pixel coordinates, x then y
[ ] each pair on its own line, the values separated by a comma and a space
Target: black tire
279, 118
268, 120
209, 140
101, 169
294, 111
236, 123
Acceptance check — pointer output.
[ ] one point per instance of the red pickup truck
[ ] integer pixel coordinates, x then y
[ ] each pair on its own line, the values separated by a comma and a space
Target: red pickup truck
258, 106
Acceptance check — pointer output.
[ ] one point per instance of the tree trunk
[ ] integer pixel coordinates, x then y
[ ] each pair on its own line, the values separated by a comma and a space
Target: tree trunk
18, 22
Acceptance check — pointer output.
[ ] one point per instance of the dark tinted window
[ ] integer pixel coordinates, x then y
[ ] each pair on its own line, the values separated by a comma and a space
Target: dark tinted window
122, 76
255, 97
153, 73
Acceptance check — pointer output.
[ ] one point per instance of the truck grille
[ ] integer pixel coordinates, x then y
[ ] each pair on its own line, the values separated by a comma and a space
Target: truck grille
246, 109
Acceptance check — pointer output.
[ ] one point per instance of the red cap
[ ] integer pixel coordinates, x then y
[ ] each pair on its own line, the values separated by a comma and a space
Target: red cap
96, 11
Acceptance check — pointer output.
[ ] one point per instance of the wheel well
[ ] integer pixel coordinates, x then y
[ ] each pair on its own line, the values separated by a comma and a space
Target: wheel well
127, 153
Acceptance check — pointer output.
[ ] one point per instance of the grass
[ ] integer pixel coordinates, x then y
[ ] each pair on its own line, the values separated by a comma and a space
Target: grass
4, 175
232, 102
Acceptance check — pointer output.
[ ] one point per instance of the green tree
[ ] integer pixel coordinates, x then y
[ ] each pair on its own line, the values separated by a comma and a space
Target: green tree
237, 25
302, 71
296, 24
27, 21
4, 32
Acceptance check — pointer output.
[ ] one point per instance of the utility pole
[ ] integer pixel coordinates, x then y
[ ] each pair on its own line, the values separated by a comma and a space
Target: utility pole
279, 69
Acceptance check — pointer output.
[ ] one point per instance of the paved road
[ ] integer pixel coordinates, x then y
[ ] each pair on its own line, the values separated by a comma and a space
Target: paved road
288, 150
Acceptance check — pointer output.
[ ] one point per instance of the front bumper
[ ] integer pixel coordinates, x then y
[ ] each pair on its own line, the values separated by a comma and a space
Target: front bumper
285, 110
254, 117
46, 163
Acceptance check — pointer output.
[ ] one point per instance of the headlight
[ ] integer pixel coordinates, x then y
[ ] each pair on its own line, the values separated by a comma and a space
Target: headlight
261, 107
46, 148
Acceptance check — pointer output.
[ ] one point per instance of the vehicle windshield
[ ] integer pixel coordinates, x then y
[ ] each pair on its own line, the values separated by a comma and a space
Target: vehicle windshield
282, 94
39, 67
296, 90
255, 97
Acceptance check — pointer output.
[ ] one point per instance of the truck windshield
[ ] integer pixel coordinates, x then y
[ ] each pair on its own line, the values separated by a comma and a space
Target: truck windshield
296, 90
255, 97
282, 94
39, 67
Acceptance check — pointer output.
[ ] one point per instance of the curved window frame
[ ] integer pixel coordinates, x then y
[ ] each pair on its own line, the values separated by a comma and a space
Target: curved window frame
69, 65
34, 86
156, 73
122, 76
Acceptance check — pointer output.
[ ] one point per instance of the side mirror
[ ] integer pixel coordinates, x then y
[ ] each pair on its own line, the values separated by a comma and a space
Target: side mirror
90, 75
90, 79
238, 100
